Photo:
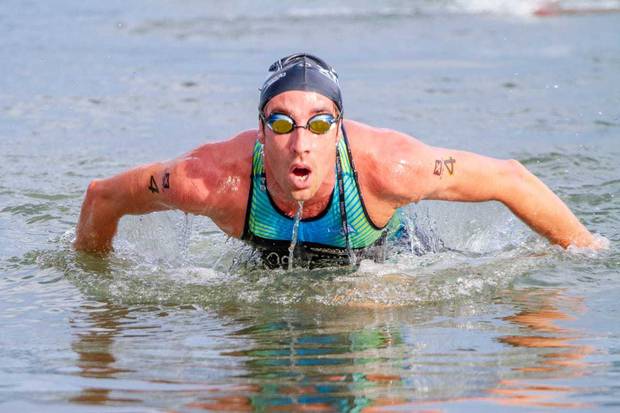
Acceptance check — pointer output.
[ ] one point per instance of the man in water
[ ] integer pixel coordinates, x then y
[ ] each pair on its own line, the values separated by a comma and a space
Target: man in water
344, 179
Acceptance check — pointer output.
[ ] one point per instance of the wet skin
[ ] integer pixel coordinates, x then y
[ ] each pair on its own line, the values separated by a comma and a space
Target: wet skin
393, 169
299, 165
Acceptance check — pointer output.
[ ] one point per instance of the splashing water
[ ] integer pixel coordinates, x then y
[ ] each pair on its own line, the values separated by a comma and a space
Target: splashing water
291, 248
351, 253
213, 269
184, 236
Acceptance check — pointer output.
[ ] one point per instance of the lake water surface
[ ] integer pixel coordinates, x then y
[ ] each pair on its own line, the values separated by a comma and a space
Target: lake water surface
490, 317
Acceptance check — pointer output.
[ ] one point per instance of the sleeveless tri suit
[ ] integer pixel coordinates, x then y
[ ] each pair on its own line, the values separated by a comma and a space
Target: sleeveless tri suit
327, 239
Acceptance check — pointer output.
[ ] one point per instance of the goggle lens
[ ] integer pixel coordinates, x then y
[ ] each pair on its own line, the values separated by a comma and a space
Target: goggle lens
318, 124
281, 125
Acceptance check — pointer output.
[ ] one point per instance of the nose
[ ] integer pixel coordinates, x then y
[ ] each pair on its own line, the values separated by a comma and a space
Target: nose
301, 141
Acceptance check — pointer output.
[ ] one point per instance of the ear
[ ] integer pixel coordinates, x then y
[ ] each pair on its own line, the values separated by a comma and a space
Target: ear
261, 131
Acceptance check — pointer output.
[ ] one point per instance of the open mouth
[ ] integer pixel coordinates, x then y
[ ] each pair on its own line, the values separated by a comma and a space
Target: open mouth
301, 173
299, 176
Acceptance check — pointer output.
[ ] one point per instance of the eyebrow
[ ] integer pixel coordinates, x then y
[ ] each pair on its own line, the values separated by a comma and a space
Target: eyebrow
319, 109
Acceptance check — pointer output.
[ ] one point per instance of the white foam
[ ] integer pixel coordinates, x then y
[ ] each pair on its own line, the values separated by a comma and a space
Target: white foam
508, 7
602, 247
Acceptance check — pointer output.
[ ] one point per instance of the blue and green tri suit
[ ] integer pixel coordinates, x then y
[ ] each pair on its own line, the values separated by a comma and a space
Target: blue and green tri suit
322, 240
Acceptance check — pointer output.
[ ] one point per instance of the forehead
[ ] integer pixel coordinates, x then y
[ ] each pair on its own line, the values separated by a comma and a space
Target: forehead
300, 103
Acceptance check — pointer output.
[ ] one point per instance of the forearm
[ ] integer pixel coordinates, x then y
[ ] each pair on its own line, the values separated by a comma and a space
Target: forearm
108, 200
536, 205
452, 175
98, 220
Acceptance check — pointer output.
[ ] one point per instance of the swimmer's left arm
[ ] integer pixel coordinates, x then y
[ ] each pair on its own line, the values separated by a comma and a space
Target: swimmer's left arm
509, 182
451, 175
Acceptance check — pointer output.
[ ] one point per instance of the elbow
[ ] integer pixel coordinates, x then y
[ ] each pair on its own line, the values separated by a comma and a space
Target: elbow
92, 191
93, 187
519, 176
96, 226
95, 191
515, 169
98, 196
513, 179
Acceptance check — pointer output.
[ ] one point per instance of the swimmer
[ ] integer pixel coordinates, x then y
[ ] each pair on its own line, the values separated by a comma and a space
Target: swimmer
348, 179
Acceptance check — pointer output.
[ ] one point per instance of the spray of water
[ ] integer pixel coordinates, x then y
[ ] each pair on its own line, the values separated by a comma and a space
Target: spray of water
420, 269
351, 253
184, 236
291, 248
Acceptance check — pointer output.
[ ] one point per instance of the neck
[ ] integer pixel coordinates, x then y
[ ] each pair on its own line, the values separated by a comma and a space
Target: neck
312, 207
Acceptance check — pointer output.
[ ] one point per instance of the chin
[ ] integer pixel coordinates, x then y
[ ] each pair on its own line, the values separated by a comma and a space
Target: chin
302, 195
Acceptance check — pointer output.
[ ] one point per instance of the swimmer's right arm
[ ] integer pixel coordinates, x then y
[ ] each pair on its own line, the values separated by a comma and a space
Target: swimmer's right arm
190, 183
141, 190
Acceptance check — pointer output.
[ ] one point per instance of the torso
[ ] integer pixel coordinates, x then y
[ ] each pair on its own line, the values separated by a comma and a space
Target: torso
230, 207
343, 225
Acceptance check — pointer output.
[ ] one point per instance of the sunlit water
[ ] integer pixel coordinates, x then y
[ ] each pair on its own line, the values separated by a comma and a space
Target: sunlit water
473, 312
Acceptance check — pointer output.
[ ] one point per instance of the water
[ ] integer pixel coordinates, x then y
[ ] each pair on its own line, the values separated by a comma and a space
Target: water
178, 318
291, 248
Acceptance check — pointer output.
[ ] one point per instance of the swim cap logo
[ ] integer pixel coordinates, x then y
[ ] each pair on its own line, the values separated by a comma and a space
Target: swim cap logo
327, 73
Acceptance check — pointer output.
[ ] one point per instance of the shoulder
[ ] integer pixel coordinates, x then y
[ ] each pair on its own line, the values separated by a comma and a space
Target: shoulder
236, 150
380, 144
217, 160
214, 179
386, 161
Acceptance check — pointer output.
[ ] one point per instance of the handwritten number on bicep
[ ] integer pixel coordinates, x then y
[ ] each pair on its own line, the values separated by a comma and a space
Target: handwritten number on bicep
448, 163
166, 180
153, 186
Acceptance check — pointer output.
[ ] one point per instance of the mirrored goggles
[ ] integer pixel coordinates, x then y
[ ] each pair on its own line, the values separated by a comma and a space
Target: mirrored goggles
282, 124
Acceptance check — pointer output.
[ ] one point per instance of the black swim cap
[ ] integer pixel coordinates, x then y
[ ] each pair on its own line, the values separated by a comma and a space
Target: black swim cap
301, 71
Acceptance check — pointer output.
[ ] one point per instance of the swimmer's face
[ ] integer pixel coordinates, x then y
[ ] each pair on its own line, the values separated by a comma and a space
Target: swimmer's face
300, 164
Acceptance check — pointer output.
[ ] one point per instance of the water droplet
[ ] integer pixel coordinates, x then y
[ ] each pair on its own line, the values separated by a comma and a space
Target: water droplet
291, 248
